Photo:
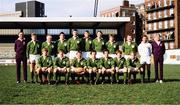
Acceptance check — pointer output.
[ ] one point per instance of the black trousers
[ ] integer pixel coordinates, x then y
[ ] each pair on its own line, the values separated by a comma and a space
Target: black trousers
18, 68
158, 63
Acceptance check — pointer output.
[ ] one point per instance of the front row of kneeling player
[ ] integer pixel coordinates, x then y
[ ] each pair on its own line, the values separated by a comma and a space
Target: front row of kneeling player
47, 68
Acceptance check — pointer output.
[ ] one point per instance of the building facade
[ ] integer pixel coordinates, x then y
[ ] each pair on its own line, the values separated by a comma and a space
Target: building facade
163, 17
31, 9
126, 10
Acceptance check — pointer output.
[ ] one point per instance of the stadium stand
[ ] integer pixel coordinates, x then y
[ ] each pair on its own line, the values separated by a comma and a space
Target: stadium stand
7, 51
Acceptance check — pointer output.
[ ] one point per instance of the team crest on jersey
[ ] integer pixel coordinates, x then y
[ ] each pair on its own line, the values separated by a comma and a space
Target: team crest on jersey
121, 61
114, 46
65, 44
52, 46
81, 63
132, 46
78, 41
64, 62
103, 43
109, 62
90, 42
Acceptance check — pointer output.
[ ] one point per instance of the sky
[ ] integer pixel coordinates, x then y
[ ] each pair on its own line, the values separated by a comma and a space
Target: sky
65, 8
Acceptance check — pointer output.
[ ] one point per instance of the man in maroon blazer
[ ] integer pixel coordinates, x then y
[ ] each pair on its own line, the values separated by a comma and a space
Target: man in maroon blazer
158, 50
20, 49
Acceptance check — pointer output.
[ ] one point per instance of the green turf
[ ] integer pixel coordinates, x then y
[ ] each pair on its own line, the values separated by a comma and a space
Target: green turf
148, 93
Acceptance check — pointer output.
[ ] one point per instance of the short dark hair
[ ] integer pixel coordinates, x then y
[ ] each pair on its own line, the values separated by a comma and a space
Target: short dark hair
145, 36
132, 52
60, 51
105, 50
118, 51
33, 34
75, 30
129, 35
79, 51
87, 31
100, 32
44, 49
20, 32
111, 35
92, 51
61, 33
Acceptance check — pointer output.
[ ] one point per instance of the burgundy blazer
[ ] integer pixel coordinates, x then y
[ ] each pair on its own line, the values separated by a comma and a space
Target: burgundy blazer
158, 50
20, 48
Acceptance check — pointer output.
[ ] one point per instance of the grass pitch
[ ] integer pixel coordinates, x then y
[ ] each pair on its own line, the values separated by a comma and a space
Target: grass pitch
147, 93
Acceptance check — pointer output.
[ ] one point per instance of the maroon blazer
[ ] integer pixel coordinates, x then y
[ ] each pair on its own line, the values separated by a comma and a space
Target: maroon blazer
20, 48
158, 50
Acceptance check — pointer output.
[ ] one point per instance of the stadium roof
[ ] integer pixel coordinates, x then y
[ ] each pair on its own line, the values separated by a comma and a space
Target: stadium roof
62, 22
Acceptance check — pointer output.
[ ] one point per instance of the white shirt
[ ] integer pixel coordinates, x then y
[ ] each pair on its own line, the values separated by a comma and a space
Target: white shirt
145, 49
158, 42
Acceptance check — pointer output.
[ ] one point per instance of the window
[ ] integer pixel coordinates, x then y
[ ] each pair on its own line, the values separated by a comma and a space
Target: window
165, 24
149, 5
133, 14
171, 2
155, 26
149, 16
160, 34
154, 15
171, 11
107, 31
9, 31
159, 2
113, 14
171, 23
149, 27
160, 15
57, 31
37, 31
123, 13
160, 25
165, 3
134, 23
165, 13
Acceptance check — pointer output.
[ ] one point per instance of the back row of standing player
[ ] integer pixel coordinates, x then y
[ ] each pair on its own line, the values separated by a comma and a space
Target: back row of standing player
85, 44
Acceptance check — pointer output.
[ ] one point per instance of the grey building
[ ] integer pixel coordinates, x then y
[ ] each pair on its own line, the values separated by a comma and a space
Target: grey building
31, 9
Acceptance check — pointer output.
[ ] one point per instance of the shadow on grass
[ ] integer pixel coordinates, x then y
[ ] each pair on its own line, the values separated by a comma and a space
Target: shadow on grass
172, 80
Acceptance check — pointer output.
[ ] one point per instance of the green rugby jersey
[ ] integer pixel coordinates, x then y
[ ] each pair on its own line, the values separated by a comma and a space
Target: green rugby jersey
33, 48
45, 62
